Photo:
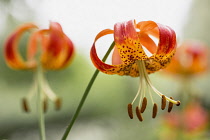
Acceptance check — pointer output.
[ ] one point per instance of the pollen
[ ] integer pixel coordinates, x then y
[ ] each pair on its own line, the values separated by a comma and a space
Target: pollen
155, 109
45, 105
57, 103
138, 114
130, 111
163, 105
144, 105
170, 105
25, 105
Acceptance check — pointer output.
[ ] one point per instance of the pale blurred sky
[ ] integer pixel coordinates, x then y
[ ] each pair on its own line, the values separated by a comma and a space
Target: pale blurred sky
83, 19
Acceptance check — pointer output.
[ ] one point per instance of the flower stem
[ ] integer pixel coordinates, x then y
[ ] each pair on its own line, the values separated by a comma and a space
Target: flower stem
68, 129
40, 103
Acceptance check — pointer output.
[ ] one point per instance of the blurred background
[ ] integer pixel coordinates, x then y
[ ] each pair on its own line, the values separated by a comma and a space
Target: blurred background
104, 115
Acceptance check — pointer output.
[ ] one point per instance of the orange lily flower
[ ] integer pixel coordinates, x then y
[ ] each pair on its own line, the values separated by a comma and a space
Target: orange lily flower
47, 49
136, 54
56, 48
191, 58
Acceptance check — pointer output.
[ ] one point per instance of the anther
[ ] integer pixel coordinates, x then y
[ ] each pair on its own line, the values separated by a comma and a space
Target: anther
138, 114
130, 111
45, 105
25, 105
57, 103
155, 109
170, 105
163, 105
178, 103
144, 104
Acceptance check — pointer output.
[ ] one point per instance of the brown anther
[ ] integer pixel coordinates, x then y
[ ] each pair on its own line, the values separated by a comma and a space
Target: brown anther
163, 105
155, 109
178, 103
138, 114
130, 111
144, 104
170, 105
25, 105
45, 105
57, 104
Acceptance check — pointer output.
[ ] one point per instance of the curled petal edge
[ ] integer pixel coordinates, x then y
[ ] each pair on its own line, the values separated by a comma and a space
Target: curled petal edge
59, 48
94, 57
12, 55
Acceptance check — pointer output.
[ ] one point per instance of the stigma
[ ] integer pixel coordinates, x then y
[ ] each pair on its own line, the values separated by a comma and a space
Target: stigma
145, 90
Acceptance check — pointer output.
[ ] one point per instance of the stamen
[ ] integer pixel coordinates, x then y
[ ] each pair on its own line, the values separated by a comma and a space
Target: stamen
146, 86
45, 105
155, 109
170, 105
142, 65
25, 105
57, 103
48, 91
138, 114
163, 105
150, 94
130, 111
178, 103
144, 105
33, 90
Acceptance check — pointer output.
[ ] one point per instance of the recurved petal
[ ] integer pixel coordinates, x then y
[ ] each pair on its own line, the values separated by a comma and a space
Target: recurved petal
69, 51
147, 42
167, 40
118, 66
128, 43
11, 53
100, 65
148, 27
165, 35
36, 43
58, 49
162, 54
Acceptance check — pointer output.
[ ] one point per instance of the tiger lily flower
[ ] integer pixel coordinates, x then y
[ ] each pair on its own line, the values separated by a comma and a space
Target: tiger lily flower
191, 59
47, 49
137, 55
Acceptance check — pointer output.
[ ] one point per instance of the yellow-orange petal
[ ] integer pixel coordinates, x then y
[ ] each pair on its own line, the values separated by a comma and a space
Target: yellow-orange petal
166, 45
121, 69
148, 27
166, 35
147, 42
36, 43
128, 43
59, 49
11, 53
69, 50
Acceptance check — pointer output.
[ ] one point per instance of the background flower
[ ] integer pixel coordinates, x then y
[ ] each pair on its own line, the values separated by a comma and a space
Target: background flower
189, 123
47, 49
190, 59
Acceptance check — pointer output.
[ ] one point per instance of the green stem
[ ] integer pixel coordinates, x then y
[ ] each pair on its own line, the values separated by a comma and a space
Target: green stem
68, 129
40, 104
